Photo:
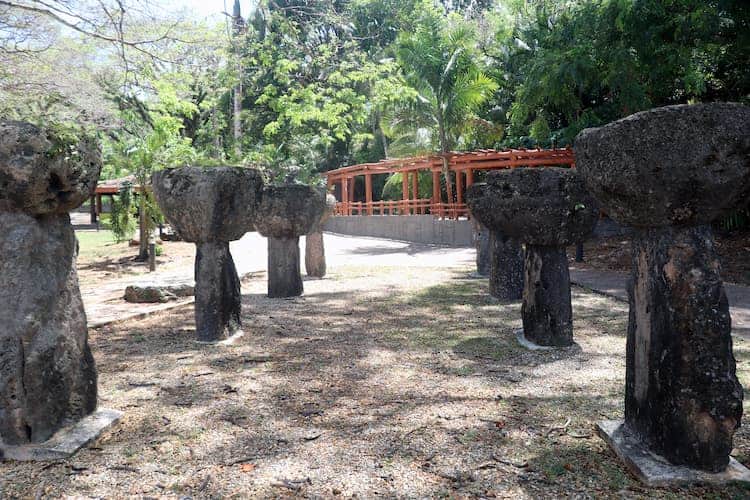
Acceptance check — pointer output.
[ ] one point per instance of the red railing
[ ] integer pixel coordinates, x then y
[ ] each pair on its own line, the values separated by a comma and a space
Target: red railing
422, 206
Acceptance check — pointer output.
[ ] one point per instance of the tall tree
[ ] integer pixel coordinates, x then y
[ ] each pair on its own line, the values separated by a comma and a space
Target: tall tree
309, 86
439, 59
238, 32
572, 65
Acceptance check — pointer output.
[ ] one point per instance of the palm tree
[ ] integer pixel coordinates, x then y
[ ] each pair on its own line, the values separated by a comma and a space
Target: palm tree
439, 62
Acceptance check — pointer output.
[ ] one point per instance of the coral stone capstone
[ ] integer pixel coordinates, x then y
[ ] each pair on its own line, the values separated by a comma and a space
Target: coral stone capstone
676, 165
211, 203
541, 206
43, 171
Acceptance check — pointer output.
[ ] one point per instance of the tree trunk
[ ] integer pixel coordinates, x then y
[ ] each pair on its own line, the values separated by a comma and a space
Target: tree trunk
142, 228
445, 149
378, 132
238, 118
217, 137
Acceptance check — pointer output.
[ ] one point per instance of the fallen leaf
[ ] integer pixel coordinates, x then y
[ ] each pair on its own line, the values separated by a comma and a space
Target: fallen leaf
247, 467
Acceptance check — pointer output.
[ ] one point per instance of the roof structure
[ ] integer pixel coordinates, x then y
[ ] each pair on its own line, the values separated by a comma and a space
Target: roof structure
461, 164
113, 186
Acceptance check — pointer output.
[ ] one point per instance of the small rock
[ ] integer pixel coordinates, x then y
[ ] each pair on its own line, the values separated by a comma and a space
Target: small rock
157, 293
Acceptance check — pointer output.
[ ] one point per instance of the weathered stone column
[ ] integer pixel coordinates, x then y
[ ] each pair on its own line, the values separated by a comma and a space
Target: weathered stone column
285, 213
210, 207
217, 291
482, 244
284, 276
669, 172
47, 373
506, 267
504, 255
315, 254
547, 311
547, 209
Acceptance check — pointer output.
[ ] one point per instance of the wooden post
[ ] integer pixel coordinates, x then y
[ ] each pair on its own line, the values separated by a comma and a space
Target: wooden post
469, 177
368, 193
352, 185
404, 192
459, 187
415, 188
98, 204
345, 195
436, 192
92, 209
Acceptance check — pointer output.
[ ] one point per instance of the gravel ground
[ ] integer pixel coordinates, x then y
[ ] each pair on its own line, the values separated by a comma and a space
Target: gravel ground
390, 381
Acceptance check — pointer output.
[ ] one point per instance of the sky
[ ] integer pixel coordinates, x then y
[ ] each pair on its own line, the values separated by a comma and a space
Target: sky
211, 8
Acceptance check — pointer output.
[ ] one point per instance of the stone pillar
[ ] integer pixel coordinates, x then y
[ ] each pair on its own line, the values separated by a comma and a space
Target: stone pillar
547, 312
218, 300
683, 400
506, 267
48, 377
315, 255
284, 277
210, 207
547, 209
679, 321
482, 244
285, 213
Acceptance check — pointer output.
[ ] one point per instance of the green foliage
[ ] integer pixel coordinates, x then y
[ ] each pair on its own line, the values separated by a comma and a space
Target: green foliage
64, 138
331, 83
571, 65
121, 220
439, 59
393, 188
310, 89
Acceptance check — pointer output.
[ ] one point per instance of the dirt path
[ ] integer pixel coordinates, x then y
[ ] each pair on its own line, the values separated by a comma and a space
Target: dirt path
399, 381
103, 280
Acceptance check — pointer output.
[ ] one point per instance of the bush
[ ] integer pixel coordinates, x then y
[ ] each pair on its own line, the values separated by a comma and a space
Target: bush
121, 219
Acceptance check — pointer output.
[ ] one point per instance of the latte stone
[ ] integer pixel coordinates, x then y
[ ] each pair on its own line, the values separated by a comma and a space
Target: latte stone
287, 212
48, 380
668, 173
547, 209
211, 206
315, 254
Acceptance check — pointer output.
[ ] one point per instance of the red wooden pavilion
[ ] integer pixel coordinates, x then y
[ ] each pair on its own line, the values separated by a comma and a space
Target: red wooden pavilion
462, 165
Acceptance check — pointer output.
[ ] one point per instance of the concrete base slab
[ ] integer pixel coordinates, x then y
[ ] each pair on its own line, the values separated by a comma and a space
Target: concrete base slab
529, 344
655, 470
66, 441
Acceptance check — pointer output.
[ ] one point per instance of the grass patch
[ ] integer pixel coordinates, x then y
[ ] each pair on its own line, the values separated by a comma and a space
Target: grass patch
458, 315
95, 244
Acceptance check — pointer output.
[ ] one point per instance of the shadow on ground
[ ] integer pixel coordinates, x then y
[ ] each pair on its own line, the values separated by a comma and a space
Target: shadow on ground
377, 382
